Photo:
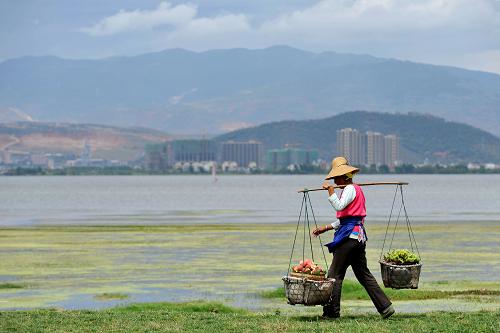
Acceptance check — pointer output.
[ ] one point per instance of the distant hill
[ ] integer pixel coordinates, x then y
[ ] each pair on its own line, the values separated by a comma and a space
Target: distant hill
8, 115
216, 91
421, 136
105, 141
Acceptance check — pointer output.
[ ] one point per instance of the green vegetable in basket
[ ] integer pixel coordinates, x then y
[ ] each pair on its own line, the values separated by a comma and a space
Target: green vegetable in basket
401, 257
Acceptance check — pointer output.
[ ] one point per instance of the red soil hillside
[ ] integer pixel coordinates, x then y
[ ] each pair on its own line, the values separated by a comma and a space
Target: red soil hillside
105, 141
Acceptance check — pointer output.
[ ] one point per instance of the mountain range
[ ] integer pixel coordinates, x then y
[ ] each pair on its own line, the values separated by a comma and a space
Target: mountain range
217, 91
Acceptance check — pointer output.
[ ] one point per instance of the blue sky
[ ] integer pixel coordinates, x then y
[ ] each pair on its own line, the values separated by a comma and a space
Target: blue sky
463, 33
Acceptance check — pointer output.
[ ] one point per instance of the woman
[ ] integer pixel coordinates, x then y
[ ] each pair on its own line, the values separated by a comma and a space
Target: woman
349, 242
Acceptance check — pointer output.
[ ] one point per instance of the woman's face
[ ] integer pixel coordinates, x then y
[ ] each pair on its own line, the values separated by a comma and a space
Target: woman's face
340, 180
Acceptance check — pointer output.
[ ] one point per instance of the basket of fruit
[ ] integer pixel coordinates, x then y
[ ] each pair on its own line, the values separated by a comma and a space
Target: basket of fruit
307, 284
400, 269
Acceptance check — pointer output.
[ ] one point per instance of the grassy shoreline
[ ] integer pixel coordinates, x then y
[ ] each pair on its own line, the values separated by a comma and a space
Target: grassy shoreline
352, 290
215, 317
52, 265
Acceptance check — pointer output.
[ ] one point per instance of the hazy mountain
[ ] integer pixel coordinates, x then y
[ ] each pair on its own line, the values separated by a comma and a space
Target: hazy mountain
220, 90
105, 141
421, 136
10, 114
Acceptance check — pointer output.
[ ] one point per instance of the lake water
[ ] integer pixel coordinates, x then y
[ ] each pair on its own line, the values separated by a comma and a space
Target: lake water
145, 200
69, 240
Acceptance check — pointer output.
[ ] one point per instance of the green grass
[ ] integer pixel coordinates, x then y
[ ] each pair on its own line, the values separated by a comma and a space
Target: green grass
214, 317
188, 307
9, 285
109, 296
352, 290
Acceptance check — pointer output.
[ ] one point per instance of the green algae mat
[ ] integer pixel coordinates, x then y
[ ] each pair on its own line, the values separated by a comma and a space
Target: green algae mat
92, 267
213, 317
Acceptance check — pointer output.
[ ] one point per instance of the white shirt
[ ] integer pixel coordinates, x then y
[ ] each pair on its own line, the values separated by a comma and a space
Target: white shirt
348, 195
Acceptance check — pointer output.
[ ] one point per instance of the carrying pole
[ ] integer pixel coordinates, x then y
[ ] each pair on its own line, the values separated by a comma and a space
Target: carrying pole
360, 184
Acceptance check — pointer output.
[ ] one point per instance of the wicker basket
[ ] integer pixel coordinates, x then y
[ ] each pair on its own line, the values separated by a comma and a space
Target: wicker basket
301, 290
308, 276
400, 276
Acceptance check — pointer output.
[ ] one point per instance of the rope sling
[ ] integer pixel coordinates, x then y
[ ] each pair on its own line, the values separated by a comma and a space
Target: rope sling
305, 207
302, 290
400, 276
411, 235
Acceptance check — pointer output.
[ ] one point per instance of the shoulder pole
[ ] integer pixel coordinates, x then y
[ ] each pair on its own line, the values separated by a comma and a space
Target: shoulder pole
360, 184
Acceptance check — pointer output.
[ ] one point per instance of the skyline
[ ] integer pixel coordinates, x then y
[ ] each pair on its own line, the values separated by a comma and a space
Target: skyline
418, 31
451, 142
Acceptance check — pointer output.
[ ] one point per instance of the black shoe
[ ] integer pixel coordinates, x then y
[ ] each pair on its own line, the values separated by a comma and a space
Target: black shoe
389, 311
330, 316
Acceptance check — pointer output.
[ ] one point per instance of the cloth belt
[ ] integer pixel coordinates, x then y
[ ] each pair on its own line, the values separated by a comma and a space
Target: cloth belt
347, 224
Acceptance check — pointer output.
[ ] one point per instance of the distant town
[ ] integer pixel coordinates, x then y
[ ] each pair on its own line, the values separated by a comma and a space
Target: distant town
373, 152
201, 155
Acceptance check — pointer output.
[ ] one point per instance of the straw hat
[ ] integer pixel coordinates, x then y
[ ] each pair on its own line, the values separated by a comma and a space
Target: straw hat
340, 167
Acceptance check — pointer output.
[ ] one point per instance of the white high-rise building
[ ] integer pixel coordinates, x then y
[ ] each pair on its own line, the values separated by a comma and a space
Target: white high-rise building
351, 144
391, 147
368, 148
375, 148
243, 153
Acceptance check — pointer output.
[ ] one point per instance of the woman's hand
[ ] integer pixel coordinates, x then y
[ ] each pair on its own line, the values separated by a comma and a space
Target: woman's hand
318, 231
327, 186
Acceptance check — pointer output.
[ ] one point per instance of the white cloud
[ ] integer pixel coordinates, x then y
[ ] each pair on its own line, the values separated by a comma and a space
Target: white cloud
209, 33
123, 21
434, 31
354, 22
420, 30
218, 25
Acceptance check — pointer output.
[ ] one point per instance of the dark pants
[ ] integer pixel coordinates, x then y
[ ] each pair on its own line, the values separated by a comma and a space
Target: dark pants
352, 253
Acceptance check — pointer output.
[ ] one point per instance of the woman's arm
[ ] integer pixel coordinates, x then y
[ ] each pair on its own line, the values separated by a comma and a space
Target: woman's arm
316, 232
335, 225
348, 196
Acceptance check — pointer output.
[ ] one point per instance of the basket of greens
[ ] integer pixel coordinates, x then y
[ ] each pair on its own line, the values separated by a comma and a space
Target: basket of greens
400, 269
